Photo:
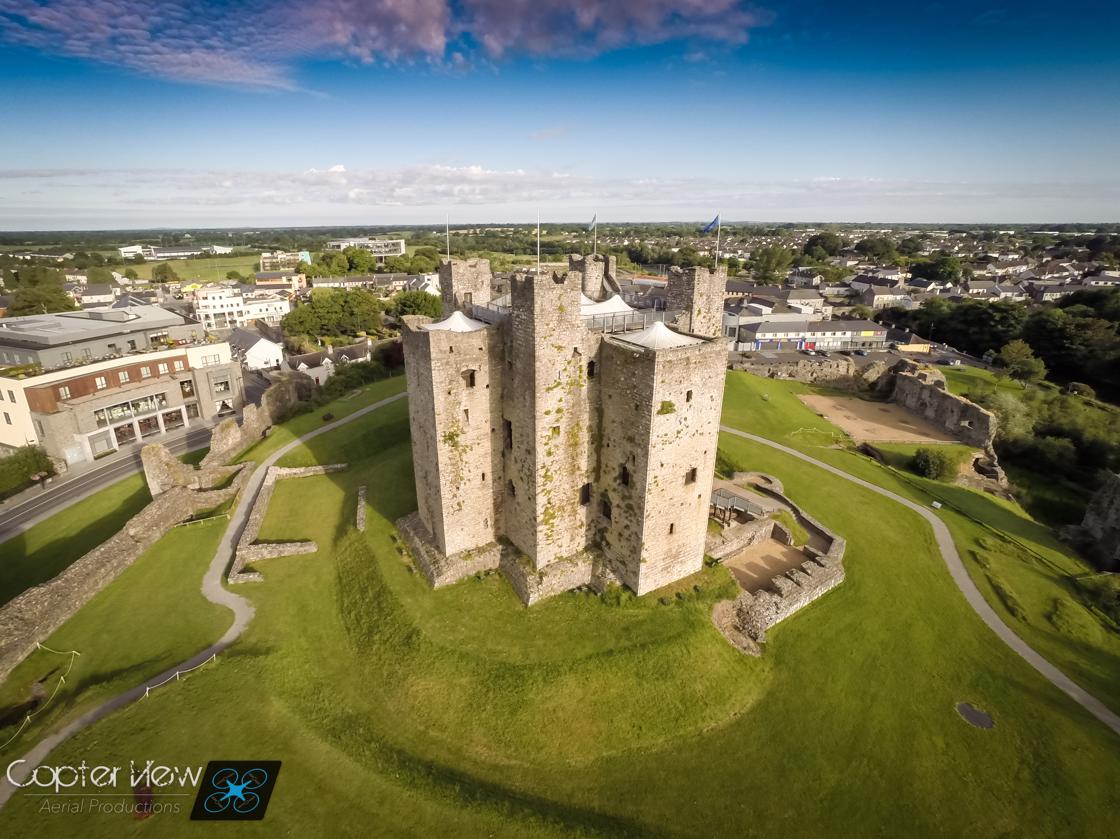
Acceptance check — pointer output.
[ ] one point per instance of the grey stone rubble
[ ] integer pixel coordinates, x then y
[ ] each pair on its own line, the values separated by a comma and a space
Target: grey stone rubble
248, 550
745, 620
360, 516
163, 470
39, 611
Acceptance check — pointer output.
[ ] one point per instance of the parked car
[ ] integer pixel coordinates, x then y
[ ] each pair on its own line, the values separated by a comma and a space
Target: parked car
822, 353
862, 352
845, 352
808, 352
949, 362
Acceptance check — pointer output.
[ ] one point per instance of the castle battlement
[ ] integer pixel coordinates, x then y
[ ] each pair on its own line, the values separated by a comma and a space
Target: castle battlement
570, 429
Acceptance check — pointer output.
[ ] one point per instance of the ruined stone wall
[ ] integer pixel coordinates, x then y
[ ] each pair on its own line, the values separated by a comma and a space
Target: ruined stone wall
162, 471
792, 591
679, 461
1100, 529
438, 568
230, 438
533, 585
923, 391
735, 538
463, 279
834, 371
39, 611
698, 294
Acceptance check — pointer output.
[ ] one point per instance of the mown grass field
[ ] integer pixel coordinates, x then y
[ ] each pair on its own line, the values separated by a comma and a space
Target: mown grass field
399, 710
202, 270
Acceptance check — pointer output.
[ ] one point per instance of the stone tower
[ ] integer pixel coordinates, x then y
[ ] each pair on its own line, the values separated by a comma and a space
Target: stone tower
464, 281
566, 448
698, 294
600, 274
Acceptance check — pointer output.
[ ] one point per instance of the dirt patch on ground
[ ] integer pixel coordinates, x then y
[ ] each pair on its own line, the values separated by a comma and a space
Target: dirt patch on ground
875, 422
756, 565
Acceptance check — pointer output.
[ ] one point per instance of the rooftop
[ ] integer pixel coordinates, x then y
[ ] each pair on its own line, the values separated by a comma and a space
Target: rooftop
68, 327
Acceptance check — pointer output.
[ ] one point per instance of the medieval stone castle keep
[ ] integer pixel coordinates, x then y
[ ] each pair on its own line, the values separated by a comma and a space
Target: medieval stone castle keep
561, 435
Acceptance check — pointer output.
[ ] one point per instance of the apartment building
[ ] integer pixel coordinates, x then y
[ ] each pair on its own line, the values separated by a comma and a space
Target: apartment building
283, 260
83, 384
231, 306
812, 335
378, 247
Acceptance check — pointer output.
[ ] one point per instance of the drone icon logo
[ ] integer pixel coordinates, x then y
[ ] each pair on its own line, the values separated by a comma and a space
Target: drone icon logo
235, 790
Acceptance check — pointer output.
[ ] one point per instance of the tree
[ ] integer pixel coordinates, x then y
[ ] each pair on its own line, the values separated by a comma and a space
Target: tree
770, 263
335, 313
234, 275
937, 464
827, 243
878, 248
1018, 359
733, 266
40, 300
862, 312
130, 274
417, 303
164, 273
942, 268
98, 274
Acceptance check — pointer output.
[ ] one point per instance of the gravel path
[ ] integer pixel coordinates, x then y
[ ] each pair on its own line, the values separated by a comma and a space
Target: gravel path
960, 576
212, 590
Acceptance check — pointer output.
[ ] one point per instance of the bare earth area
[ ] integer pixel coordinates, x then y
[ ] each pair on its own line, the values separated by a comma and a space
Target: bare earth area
756, 565
875, 422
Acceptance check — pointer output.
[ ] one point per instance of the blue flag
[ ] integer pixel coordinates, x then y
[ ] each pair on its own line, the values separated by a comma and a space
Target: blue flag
711, 226
592, 225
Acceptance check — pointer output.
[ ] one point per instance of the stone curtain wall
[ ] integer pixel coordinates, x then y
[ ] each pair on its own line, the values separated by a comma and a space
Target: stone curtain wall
360, 516
1099, 532
162, 471
745, 620
738, 536
247, 549
34, 615
439, 569
230, 438
922, 390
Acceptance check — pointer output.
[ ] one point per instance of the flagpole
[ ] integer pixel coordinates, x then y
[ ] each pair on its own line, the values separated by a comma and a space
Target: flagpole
595, 236
447, 232
538, 243
719, 226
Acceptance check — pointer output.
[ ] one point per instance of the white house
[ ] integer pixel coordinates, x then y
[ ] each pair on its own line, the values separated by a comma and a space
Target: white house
255, 351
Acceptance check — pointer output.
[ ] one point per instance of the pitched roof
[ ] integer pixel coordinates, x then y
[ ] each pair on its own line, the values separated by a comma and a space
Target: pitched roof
657, 336
457, 322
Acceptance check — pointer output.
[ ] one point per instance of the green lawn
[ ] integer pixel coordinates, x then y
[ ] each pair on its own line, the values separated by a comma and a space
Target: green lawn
202, 270
42, 551
151, 617
287, 432
409, 711
1018, 563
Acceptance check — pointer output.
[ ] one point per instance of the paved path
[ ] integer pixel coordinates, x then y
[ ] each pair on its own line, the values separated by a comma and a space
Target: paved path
964, 582
212, 590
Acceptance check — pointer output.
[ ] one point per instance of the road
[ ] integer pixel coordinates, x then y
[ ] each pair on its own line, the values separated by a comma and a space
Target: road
212, 589
964, 582
67, 489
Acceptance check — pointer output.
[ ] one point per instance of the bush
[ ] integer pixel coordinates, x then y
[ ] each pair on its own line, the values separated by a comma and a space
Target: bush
16, 469
937, 464
1080, 389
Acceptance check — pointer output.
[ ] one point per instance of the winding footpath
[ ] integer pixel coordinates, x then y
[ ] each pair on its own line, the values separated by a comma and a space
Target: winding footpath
964, 582
212, 589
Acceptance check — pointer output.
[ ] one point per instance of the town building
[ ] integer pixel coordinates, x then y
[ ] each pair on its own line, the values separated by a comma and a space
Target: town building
153, 253
289, 281
228, 306
381, 248
321, 365
283, 260
83, 384
811, 335
575, 431
255, 351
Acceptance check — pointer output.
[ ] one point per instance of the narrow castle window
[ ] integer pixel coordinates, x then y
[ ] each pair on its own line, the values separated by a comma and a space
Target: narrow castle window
555, 431
690, 476
484, 477
605, 509
591, 369
468, 377
624, 476
688, 396
466, 416
585, 494
510, 489
672, 529
507, 433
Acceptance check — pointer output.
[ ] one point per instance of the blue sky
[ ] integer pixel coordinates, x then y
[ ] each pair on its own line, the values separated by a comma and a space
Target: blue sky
156, 113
